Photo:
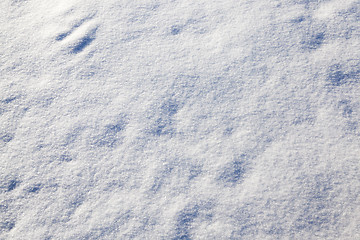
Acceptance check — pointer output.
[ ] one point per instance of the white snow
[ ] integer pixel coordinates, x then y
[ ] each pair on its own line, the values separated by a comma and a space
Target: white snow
175, 119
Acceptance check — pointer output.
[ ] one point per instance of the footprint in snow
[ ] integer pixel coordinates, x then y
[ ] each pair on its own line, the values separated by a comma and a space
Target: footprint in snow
80, 35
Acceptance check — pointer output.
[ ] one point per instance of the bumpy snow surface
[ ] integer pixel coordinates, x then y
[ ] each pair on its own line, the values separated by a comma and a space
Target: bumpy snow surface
178, 119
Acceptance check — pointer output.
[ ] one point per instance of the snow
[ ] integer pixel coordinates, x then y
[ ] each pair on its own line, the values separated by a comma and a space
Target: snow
160, 119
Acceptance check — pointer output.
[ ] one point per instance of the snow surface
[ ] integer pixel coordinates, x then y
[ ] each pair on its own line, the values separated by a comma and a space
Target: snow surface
169, 119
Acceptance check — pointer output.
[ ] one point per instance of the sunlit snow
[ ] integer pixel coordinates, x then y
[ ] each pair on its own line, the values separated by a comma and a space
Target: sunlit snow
170, 119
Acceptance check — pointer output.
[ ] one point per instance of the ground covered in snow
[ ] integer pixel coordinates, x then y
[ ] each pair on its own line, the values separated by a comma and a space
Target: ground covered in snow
178, 119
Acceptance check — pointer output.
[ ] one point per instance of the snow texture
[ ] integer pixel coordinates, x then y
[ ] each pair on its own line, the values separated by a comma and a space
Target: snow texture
169, 119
